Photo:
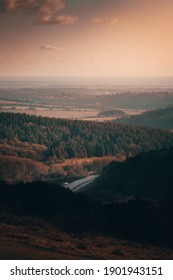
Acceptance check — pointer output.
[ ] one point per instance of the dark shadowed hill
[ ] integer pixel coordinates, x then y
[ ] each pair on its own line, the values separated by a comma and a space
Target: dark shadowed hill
161, 118
148, 176
38, 206
48, 205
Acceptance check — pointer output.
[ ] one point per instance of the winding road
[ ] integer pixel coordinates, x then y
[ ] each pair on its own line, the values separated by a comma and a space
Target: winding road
81, 183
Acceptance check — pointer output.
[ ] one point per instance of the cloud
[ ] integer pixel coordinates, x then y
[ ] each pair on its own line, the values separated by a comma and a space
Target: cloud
99, 20
45, 11
114, 21
49, 48
59, 20
9, 4
33, 6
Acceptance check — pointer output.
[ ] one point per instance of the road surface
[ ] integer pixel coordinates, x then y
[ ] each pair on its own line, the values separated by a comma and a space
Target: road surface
81, 183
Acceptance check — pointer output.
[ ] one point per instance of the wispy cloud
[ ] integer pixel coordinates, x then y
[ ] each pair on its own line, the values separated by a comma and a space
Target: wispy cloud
45, 11
49, 48
59, 20
101, 20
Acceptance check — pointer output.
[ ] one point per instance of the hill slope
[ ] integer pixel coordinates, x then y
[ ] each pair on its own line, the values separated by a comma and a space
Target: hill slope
21, 242
147, 176
35, 147
33, 207
161, 118
70, 139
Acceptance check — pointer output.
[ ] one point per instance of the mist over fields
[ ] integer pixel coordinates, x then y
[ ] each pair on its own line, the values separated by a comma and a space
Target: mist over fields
84, 98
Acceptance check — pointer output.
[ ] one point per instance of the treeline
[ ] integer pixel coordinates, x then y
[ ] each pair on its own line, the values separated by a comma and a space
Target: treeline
110, 113
72, 138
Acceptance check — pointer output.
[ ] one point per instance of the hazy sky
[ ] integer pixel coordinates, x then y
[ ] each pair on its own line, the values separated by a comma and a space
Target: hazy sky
86, 37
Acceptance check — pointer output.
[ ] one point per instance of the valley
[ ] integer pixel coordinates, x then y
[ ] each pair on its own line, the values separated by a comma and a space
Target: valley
81, 101
86, 133
75, 179
39, 148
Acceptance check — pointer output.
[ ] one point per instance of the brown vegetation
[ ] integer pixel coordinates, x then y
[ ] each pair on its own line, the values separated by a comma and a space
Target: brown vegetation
24, 242
23, 149
23, 161
20, 169
80, 167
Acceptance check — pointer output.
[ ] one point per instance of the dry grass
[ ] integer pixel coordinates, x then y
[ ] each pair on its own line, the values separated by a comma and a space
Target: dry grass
79, 167
19, 242
54, 113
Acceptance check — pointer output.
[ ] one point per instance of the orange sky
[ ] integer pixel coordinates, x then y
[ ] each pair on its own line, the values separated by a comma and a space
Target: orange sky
86, 38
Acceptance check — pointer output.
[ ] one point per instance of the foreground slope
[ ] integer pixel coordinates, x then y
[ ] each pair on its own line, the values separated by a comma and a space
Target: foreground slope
38, 206
32, 242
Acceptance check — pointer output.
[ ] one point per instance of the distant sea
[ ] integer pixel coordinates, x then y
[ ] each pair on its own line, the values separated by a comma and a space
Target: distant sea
46, 82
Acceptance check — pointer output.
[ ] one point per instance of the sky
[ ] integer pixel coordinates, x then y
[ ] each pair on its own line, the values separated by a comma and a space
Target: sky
86, 38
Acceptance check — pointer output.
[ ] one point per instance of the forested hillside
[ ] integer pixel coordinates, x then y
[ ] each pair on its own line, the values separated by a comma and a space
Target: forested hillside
161, 118
69, 139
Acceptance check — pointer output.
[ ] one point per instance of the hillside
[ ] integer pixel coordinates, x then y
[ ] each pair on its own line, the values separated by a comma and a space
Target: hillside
33, 147
160, 118
54, 222
147, 176
14, 168
19, 242
69, 139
